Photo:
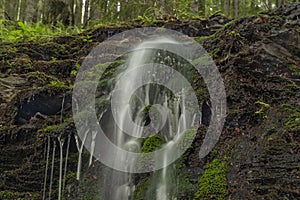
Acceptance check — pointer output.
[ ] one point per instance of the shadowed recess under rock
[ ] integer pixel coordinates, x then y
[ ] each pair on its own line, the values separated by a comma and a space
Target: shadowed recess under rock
43, 104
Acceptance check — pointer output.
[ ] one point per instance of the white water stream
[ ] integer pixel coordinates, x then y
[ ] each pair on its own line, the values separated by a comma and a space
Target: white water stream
167, 114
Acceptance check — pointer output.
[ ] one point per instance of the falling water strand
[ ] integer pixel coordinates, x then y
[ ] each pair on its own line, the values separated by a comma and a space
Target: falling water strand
161, 192
45, 159
52, 169
66, 164
80, 150
46, 168
93, 143
120, 186
162, 187
45, 150
61, 144
62, 108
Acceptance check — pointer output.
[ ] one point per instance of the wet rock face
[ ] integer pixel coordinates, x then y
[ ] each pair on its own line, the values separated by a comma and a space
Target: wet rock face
259, 61
258, 58
43, 104
9, 85
206, 113
34, 80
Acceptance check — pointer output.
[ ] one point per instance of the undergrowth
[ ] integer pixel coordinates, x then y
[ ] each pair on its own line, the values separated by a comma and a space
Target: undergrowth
15, 32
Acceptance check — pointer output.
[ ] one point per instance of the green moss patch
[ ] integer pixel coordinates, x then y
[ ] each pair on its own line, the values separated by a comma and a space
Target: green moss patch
292, 121
213, 183
152, 143
56, 128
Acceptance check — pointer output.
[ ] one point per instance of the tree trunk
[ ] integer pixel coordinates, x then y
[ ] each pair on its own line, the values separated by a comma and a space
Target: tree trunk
28, 10
194, 6
159, 14
236, 8
2, 4
245, 7
19, 10
279, 3
95, 9
86, 12
10, 9
78, 13
227, 7
39, 10
202, 5
71, 5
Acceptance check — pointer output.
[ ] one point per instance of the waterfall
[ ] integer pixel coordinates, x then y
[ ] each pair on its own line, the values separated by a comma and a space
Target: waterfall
148, 104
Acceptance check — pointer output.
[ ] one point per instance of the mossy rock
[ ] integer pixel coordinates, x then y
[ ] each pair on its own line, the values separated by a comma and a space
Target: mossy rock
213, 183
56, 128
152, 143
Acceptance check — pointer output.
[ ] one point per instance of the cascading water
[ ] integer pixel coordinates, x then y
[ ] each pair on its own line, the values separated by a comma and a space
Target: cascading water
149, 103
153, 114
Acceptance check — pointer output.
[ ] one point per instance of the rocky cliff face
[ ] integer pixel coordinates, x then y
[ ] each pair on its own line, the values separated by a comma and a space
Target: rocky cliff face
257, 156
259, 60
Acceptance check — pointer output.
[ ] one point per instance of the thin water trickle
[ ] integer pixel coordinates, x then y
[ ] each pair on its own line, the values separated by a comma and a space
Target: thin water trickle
46, 168
80, 151
61, 144
52, 169
62, 108
66, 163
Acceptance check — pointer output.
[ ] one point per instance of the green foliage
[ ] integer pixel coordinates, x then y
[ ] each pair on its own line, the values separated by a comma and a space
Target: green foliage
53, 59
11, 64
213, 183
15, 32
75, 71
87, 39
202, 38
262, 108
57, 84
